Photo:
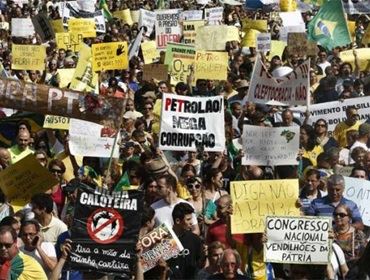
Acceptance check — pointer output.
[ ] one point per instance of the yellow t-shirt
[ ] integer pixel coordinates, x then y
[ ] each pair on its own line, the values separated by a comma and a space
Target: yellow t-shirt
24, 267
340, 132
16, 154
313, 154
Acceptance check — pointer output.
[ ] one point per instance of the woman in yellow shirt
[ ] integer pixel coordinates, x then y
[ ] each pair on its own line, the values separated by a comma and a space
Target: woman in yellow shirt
308, 147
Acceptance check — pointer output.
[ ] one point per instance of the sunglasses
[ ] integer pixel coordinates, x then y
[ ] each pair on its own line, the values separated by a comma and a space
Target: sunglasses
341, 215
196, 186
56, 171
322, 125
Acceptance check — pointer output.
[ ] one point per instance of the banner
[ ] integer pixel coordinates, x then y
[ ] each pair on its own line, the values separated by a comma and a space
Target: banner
189, 30
87, 139
191, 15
277, 48
56, 122
20, 181
84, 26
69, 41
188, 123
155, 71
214, 37
22, 27
40, 98
104, 231
263, 42
28, 57
363, 56
356, 7
213, 16
211, 65
150, 52
358, 190
43, 27
298, 44
292, 89
167, 27
65, 75
134, 47
110, 56
270, 145
124, 15
300, 240
147, 19
179, 59
160, 243
254, 200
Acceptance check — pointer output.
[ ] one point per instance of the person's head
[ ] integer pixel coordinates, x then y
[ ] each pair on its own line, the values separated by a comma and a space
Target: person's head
335, 185
351, 115
351, 137
130, 106
29, 230
24, 125
359, 172
322, 56
12, 221
166, 184
342, 215
224, 206
364, 131
307, 137
182, 216
8, 243
42, 205
214, 177
321, 127
194, 186
236, 109
188, 171
230, 263
148, 108
367, 161
162, 87
150, 187
345, 69
57, 168
147, 218
312, 179
358, 86
215, 251
358, 155
23, 139
41, 157
5, 158
333, 156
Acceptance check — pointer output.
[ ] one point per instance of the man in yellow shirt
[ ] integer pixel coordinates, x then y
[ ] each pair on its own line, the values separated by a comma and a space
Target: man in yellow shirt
351, 123
21, 149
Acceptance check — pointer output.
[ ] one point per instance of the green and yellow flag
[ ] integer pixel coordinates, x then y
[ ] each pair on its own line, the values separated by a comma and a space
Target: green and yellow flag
329, 27
103, 5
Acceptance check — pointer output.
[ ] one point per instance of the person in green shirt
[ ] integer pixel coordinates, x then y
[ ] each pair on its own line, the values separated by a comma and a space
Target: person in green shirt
21, 149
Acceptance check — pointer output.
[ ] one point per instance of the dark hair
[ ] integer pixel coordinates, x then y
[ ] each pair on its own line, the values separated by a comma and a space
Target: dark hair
313, 172
349, 108
43, 201
147, 216
24, 122
58, 163
181, 210
5, 229
359, 168
170, 180
311, 136
210, 174
188, 167
322, 120
30, 222
8, 221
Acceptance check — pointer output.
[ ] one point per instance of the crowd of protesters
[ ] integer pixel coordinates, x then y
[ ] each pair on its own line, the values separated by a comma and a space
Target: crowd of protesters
189, 189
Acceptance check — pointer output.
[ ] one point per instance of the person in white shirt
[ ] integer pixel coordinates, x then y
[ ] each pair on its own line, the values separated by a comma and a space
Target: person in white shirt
362, 140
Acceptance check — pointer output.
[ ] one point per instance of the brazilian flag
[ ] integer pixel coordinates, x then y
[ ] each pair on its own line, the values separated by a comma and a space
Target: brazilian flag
329, 27
107, 14
123, 184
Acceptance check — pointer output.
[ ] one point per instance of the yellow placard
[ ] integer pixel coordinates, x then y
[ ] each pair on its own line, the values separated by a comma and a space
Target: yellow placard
25, 178
363, 57
150, 52
84, 26
189, 30
110, 56
57, 25
135, 15
69, 41
65, 75
124, 15
28, 57
351, 28
260, 24
277, 48
366, 37
4, 25
288, 5
254, 200
250, 38
56, 122
210, 65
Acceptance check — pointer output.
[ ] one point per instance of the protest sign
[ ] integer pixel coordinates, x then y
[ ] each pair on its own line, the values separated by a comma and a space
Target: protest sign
358, 190
57, 25
270, 145
135, 15
253, 200
214, 15
214, 38
124, 15
300, 240
263, 42
22, 180
28, 57
4, 25
86, 139
210, 65
84, 78
86, 5
84, 26
298, 44
43, 99
292, 22
110, 56
155, 71
188, 123
65, 75
292, 89
150, 52
259, 25
104, 231
160, 243
43, 26
179, 59
22, 27
250, 38
363, 57
356, 7
69, 41
99, 21
189, 30
277, 48
56, 122
134, 47
147, 19
191, 15
167, 27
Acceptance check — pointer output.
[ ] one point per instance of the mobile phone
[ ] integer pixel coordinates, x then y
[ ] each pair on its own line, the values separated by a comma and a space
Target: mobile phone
35, 240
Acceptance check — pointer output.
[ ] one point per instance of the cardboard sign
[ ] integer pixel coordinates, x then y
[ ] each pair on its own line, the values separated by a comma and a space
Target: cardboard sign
298, 44
160, 243
22, 27
363, 56
56, 122
57, 25
254, 200
167, 27
124, 15
150, 52
191, 15
65, 76
292, 89
356, 7
211, 65
270, 145
134, 47
104, 231
147, 19
84, 26
214, 16
215, 37
43, 99
300, 240
110, 56
69, 41
28, 57
259, 25
263, 42
250, 38
277, 48
25, 178
179, 59
43, 26
358, 190
190, 122
155, 71
189, 30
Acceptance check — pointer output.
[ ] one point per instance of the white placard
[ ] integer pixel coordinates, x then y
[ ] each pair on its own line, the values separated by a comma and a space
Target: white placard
167, 27
191, 15
214, 16
147, 19
270, 145
22, 27
189, 123
263, 42
301, 240
85, 140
